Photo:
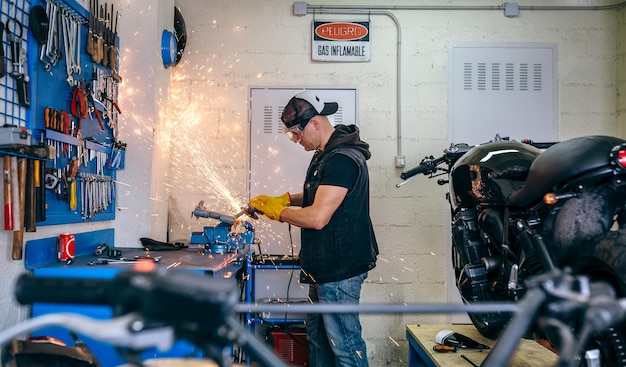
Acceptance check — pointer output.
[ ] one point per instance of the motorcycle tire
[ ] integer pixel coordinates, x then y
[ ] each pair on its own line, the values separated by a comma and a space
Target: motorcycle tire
487, 330
604, 259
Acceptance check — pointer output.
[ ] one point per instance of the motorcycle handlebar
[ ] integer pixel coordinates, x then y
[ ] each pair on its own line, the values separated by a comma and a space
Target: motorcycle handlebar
61, 290
427, 165
156, 295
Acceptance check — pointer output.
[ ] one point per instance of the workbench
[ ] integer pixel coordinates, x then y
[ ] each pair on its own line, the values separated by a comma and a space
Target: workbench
421, 340
193, 260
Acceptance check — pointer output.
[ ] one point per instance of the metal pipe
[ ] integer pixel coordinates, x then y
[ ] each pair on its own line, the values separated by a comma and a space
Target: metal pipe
464, 7
439, 308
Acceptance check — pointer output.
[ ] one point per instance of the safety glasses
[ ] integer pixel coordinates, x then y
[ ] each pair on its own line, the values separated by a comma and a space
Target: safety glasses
295, 132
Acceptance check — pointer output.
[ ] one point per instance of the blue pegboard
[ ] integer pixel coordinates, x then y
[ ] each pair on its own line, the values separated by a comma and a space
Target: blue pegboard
51, 89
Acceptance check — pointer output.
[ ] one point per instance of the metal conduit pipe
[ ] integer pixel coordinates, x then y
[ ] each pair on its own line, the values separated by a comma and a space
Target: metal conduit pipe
385, 10
327, 8
314, 9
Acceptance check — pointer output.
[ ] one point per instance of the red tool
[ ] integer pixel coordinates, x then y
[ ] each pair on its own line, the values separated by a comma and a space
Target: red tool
8, 209
443, 348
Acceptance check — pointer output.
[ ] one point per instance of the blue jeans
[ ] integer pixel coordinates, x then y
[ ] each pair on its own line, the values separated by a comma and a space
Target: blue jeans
335, 339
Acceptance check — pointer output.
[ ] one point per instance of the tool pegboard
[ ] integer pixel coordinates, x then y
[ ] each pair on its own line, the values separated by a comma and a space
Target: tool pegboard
13, 20
72, 60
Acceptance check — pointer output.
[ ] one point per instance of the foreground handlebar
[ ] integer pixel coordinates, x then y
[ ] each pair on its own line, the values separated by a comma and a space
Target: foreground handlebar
61, 290
156, 295
198, 308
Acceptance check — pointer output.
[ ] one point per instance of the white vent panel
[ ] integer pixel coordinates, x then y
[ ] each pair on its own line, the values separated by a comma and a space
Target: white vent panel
507, 89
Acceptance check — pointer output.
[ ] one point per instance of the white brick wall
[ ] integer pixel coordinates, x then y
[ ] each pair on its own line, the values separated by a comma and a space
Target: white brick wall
262, 44
233, 45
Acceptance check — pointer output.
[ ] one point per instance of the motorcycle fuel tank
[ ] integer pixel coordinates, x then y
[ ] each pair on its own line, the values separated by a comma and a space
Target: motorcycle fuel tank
477, 177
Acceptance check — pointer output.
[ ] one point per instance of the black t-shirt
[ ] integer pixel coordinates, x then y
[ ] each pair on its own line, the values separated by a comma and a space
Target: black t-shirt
340, 170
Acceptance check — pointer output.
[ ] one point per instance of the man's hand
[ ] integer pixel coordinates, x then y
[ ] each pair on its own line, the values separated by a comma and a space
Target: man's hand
271, 206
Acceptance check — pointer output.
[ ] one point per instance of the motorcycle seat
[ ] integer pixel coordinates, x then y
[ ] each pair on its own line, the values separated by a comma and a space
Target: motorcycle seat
561, 163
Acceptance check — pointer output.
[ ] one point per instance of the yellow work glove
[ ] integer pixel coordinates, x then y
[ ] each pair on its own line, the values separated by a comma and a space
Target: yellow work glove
271, 206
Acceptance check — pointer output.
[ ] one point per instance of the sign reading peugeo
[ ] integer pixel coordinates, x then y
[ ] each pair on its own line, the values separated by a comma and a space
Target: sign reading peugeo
341, 41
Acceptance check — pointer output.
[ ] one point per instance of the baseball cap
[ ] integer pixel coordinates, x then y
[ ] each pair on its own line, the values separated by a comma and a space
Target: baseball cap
305, 105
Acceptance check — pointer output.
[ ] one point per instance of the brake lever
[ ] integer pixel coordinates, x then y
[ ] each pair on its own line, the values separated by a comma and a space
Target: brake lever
123, 331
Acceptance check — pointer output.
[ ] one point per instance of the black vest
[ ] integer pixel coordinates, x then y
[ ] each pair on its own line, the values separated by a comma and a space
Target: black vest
346, 246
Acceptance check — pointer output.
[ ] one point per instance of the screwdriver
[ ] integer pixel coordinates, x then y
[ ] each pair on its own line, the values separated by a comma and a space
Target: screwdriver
443, 348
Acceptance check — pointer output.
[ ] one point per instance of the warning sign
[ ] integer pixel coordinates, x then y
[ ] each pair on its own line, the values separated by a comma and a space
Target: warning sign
341, 41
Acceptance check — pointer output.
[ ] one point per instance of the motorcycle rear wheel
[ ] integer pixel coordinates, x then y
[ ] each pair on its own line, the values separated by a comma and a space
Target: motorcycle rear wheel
603, 259
487, 330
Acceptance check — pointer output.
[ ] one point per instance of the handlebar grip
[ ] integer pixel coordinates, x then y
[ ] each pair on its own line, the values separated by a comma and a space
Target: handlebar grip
412, 172
426, 166
30, 289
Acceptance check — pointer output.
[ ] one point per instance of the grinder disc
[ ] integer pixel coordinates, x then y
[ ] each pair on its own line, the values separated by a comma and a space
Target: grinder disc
38, 23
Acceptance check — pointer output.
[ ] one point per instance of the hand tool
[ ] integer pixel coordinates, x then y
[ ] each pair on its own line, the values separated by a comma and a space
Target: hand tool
113, 43
105, 38
121, 260
90, 35
23, 89
101, 248
73, 200
443, 348
30, 209
8, 195
467, 359
101, 47
3, 64
95, 110
50, 52
71, 39
71, 179
15, 39
15, 195
18, 59
98, 262
18, 233
249, 211
97, 54
40, 190
51, 181
79, 107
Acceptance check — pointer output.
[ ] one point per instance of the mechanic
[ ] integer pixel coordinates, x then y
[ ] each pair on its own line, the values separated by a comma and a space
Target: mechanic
338, 242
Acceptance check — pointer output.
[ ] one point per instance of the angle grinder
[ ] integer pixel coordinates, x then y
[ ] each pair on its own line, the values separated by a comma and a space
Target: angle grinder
250, 211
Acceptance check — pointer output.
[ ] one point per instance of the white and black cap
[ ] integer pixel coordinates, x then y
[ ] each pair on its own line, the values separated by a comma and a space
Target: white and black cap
304, 106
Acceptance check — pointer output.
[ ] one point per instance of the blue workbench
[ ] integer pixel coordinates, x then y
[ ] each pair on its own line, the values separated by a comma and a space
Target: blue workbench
213, 265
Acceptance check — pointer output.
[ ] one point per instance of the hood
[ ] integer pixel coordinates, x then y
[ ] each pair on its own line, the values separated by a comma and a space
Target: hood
348, 136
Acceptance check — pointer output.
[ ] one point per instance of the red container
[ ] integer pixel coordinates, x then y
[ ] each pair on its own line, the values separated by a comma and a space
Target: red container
292, 347
65, 247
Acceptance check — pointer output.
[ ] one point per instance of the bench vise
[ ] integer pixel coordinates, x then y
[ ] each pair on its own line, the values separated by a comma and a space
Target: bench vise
219, 238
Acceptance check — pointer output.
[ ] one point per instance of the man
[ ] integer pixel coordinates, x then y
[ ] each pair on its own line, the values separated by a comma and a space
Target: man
338, 243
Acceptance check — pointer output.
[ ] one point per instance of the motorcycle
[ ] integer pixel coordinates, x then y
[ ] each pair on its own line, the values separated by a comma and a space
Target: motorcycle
522, 209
